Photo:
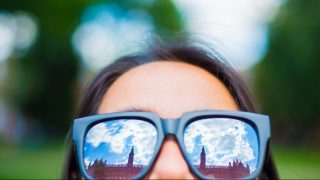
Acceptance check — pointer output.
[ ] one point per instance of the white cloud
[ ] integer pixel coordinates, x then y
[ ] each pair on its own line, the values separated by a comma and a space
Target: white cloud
86, 161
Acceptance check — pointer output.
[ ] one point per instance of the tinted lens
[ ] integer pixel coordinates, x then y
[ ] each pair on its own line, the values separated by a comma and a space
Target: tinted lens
119, 149
222, 147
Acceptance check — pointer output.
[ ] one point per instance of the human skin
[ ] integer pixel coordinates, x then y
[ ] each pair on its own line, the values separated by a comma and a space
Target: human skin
168, 89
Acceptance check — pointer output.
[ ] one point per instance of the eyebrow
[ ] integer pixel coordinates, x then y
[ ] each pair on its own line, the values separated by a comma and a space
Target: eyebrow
139, 109
136, 109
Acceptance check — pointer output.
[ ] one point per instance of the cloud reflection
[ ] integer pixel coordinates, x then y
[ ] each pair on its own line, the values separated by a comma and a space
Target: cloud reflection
113, 140
224, 139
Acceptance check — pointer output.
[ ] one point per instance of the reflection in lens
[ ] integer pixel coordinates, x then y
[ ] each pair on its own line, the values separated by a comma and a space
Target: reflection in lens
119, 149
222, 147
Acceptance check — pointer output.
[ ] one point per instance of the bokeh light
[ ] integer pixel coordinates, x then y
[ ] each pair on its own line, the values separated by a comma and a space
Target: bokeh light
238, 29
18, 32
107, 32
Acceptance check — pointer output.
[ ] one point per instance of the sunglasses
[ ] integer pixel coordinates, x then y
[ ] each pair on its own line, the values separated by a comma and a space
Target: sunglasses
215, 144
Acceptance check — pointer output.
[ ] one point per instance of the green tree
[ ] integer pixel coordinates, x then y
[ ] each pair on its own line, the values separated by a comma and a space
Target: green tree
287, 80
43, 83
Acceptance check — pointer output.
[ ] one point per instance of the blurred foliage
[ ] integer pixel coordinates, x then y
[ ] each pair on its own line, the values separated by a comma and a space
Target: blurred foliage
44, 82
287, 80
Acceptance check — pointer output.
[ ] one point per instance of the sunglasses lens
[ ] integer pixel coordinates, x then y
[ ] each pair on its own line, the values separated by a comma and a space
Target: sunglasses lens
119, 149
222, 147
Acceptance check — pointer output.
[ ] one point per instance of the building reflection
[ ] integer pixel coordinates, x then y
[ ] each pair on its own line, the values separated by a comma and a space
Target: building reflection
234, 170
99, 169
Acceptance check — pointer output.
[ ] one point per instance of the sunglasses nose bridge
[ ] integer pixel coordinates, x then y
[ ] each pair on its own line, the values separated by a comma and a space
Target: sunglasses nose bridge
170, 126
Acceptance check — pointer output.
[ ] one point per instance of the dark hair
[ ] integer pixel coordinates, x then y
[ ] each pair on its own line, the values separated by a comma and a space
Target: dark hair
209, 61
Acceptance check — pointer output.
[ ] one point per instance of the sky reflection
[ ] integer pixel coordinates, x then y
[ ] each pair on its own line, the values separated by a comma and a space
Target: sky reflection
224, 140
113, 141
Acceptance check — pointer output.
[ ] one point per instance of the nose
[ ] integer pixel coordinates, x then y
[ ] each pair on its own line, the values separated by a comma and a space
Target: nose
170, 163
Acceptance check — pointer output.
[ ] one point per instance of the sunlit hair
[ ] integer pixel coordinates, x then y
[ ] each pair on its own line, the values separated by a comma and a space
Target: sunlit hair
195, 55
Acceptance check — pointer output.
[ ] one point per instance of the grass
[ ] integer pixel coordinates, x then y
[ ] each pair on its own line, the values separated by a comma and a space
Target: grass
47, 162
44, 163
297, 162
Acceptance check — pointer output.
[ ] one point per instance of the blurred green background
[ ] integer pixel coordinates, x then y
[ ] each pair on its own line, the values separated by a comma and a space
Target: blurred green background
50, 49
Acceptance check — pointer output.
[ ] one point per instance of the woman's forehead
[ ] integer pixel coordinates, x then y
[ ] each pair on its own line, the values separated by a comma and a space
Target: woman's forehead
169, 89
